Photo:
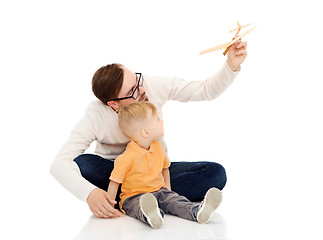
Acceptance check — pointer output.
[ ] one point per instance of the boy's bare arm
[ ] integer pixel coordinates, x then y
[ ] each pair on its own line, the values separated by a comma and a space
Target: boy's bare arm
167, 178
112, 190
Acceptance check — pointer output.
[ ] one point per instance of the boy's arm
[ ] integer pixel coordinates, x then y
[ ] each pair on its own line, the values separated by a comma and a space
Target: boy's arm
166, 177
112, 190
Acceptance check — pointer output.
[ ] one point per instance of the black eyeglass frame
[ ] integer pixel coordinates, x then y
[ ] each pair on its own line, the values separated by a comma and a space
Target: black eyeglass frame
140, 78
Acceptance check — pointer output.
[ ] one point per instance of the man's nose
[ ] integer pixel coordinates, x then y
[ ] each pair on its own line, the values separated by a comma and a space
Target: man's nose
142, 90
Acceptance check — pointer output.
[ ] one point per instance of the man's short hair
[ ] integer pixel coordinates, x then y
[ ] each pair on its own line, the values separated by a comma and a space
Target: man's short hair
107, 82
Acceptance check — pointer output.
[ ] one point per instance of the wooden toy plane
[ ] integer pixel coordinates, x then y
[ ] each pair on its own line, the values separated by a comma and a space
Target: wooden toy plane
228, 45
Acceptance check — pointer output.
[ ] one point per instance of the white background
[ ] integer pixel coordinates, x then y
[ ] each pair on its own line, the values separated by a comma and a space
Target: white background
266, 129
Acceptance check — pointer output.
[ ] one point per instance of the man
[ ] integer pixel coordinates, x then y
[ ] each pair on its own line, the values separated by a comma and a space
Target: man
87, 175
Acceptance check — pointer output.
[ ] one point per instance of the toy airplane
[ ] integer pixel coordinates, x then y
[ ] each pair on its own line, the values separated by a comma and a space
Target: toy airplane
228, 45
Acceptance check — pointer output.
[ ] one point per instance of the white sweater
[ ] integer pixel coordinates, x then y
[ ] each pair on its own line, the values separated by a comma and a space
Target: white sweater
100, 124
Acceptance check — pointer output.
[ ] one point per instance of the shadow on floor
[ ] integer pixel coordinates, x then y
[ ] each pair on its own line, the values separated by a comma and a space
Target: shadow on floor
173, 228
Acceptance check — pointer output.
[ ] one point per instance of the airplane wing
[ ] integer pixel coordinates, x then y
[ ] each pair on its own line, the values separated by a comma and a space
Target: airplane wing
219, 47
225, 45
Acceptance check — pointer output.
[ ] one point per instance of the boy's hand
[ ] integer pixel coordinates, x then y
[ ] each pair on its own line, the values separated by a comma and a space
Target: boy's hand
101, 204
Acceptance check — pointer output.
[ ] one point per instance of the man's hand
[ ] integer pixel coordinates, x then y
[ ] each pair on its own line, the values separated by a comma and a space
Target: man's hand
237, 54
102, 205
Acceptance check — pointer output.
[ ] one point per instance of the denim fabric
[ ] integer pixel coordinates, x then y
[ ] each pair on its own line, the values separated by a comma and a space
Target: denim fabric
188, 179
193, 179
169, 202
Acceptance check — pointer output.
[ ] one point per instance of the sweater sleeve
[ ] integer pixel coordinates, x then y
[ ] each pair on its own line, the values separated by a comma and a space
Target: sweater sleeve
208, 89
64, 169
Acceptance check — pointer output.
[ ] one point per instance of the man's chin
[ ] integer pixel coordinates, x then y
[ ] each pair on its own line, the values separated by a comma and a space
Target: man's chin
144, 98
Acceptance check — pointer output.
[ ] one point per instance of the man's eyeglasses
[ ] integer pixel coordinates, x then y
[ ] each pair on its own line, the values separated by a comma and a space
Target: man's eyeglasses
135, 92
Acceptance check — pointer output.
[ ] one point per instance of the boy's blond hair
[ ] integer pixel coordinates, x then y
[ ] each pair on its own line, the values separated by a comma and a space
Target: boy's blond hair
133, 113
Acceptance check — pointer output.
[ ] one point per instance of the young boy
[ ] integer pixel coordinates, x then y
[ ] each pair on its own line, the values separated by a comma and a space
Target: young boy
143, 171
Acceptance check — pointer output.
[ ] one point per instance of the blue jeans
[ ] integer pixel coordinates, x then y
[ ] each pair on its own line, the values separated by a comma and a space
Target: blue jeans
188, 179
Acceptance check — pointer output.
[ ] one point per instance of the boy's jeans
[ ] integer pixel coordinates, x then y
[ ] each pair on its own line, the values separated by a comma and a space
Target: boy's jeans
188, 179
169, 202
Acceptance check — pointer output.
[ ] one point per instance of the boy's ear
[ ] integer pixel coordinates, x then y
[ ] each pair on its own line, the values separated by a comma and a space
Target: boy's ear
144, 133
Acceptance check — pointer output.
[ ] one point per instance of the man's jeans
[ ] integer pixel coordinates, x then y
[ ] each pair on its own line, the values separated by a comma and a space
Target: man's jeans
188, 179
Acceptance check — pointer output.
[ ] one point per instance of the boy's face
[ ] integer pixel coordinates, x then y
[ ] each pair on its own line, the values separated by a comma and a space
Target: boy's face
155, 126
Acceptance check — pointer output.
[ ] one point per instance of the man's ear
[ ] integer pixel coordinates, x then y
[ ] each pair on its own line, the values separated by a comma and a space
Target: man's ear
113, 105
144, 133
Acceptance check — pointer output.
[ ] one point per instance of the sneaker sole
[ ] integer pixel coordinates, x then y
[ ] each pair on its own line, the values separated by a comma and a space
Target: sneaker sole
212, 200
149, 207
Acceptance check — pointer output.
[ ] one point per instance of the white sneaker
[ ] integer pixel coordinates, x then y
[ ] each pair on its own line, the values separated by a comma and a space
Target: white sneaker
149, 206
211, 201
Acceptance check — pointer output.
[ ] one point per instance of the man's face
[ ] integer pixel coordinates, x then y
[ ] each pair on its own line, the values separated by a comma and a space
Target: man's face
130, 82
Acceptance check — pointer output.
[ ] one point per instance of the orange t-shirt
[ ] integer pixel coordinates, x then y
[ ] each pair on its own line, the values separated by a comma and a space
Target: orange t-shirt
140, 170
